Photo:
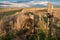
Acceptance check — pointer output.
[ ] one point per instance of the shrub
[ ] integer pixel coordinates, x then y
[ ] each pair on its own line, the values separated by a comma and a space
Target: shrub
9, 36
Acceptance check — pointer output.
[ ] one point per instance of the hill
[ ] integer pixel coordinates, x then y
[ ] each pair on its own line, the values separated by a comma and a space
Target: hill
27, 23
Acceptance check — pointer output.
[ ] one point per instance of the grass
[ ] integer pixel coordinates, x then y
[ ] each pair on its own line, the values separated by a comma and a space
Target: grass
8, 36
2, 14
42, 33
45, 19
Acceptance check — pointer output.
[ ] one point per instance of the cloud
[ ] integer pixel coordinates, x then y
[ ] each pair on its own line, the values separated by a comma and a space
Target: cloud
11, 4
30, 3
25, 4
39, 2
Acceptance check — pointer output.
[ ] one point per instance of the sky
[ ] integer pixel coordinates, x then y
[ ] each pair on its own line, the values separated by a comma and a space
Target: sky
28, 3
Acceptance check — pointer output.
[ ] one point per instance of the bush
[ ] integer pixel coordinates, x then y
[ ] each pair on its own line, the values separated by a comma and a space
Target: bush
41, 36
9, 36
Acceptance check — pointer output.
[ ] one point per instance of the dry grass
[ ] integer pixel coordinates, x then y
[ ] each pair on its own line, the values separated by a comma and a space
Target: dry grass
17, 22
8, 9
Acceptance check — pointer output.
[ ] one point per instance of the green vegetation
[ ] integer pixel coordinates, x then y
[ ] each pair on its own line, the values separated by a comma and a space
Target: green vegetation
45, 19
2, 14
56, 20
8, 36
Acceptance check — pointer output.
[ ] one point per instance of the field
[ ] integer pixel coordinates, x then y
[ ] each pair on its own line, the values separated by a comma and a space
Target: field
29, 24
8, 11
